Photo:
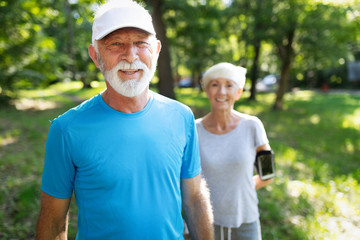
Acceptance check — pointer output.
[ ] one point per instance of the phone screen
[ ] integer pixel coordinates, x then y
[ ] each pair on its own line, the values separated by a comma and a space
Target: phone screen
265, 164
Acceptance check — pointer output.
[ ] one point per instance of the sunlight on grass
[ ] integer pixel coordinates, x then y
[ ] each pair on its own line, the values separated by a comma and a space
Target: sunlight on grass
251, 110
37, 93
335, 213
290, 155
195, 99
262, 104
66, 86
304, 95
35, 104
9, 137
97, 87
352, 121
62, 92
7, 140
350, 147
51, 91
315, 119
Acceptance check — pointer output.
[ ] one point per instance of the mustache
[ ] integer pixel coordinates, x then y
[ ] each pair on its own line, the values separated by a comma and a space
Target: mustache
124, 65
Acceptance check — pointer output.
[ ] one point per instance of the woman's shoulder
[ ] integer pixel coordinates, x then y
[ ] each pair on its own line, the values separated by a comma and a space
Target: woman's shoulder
249, 119
246, 116
198, 122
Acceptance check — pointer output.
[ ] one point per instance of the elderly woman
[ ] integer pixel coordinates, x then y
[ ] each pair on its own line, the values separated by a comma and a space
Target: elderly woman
229, 141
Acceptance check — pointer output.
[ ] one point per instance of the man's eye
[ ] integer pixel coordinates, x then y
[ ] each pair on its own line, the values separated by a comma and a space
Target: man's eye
115, 44
141, 44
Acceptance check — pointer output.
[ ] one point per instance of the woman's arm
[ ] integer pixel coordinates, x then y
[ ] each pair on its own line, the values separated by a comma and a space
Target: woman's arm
258, 182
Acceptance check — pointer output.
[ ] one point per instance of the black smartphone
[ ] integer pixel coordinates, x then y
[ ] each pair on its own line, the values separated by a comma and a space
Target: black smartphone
265, 164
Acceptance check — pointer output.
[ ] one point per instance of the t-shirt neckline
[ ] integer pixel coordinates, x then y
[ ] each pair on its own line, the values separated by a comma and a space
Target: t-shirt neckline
221, 135
128, 115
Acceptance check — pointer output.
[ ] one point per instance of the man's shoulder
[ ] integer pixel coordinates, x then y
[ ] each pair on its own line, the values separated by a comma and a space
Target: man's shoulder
171, 104
82, 109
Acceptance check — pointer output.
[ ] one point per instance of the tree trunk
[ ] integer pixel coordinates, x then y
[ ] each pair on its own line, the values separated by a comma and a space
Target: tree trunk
196, 76
254, 71
70, 29
286, 54
166, 82
284, 78
258, 28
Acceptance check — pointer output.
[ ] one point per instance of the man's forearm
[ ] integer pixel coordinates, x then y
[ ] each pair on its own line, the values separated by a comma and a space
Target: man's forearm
53, 219
199, 216
48, 228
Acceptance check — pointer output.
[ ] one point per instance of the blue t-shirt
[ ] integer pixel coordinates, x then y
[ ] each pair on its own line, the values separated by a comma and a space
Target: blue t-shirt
124, 168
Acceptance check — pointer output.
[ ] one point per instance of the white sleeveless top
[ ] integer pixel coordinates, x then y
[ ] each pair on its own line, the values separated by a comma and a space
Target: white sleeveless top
227, 163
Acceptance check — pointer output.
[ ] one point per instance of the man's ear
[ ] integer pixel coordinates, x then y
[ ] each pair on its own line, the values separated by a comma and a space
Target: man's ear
239, 93
158, 47
93, 55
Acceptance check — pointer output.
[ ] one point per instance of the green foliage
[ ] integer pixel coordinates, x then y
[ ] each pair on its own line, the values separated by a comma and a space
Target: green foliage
27, 53
34, 43
42, 42
191, 28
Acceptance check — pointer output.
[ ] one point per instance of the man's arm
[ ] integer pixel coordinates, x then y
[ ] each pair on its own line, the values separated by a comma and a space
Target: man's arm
197, 208
53, 219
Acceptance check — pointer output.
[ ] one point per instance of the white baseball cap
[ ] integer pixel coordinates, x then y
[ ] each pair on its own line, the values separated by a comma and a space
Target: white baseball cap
116, 14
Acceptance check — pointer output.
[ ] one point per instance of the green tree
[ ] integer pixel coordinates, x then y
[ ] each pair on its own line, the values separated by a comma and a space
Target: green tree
306, 33
72, 31
194, 34
27, 55
166, 82
251, 21
82, 17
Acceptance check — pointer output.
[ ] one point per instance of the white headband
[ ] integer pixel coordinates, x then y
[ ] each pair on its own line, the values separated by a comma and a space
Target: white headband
225, 70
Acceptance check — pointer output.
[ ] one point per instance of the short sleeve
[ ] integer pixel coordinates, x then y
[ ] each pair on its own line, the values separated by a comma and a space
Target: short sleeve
260, 133
191, 166
59, 171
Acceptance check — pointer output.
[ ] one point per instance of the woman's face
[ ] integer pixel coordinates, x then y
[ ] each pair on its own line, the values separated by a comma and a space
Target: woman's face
222, 94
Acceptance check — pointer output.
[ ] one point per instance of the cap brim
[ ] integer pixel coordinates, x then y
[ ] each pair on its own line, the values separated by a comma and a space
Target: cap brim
121, 18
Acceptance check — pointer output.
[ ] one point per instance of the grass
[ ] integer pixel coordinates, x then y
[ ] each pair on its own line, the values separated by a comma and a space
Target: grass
316, 139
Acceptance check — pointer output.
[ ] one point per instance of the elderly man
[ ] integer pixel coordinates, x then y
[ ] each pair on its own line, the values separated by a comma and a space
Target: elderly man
130, 155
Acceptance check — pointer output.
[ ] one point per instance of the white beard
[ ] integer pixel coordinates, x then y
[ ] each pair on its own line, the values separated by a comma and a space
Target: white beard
131, 87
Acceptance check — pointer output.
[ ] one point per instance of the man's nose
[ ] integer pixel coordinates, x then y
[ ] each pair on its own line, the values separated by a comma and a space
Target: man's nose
130, 53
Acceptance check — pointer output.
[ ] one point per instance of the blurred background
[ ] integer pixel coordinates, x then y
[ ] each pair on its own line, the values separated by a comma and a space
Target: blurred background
303, 72
303, 43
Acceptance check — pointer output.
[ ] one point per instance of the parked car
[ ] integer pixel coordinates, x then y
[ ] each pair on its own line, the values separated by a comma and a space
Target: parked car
185, 83
268, 83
